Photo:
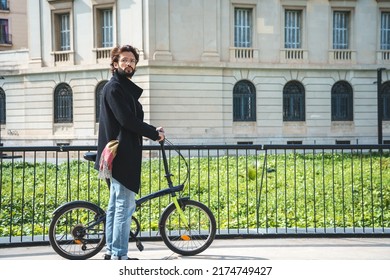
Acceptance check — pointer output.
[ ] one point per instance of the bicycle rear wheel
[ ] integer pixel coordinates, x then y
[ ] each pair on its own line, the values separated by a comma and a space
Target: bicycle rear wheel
192, 239
77, 230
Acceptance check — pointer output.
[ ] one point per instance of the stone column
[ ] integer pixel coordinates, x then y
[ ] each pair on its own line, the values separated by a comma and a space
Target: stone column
211, 12
34, 8
162, 31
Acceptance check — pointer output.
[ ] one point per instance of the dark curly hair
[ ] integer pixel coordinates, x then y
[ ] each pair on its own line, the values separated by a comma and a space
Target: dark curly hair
115, 53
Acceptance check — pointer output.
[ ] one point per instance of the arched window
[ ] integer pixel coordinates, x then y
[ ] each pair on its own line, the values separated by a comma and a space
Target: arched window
63, 104
2, 106
293, 101
98, 96
342, 101
244, 101
385, 93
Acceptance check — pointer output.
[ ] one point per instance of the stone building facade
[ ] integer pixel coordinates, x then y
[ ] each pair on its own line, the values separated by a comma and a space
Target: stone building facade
213, 71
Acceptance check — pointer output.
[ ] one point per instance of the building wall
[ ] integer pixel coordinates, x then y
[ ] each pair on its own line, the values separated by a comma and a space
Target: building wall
15, 54
16, 15
188, 71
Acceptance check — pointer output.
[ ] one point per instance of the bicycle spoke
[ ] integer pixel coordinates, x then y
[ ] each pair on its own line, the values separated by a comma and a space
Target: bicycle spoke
77, 231
191, 238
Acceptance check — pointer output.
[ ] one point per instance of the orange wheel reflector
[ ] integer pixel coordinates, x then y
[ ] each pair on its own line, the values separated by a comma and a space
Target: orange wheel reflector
185, 237
77, 241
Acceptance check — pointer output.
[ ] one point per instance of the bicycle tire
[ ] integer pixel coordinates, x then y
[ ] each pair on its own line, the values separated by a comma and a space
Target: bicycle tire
188, 241
70, 235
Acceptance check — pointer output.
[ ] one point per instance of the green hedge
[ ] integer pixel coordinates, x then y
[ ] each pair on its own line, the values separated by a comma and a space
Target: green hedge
288, 190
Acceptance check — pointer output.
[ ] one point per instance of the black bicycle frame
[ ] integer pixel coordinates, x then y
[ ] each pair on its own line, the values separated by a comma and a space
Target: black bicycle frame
170, 190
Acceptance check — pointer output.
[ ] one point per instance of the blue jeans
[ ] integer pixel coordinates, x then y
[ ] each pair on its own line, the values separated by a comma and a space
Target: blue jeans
121, 207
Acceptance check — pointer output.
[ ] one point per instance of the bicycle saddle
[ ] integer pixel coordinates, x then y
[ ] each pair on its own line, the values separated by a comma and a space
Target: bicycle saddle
91, 156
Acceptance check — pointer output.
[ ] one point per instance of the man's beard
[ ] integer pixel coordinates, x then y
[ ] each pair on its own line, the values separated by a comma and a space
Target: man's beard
123, 73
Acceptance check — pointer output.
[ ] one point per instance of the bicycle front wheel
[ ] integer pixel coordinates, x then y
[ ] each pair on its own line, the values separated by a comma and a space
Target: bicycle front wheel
192, 238
77, 230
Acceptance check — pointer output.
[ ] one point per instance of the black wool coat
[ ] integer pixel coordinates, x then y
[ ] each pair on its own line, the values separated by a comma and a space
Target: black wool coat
121, 117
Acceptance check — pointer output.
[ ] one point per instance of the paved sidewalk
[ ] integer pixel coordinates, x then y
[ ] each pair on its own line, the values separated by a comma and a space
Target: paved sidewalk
242, 249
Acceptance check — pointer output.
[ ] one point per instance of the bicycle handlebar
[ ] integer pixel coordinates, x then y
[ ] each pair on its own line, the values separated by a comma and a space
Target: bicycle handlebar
165, 161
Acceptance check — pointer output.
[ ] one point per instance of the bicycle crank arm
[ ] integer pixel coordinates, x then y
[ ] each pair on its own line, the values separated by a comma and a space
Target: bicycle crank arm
138, 242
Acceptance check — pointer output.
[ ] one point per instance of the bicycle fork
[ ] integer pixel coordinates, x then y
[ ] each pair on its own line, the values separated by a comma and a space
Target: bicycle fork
179, 209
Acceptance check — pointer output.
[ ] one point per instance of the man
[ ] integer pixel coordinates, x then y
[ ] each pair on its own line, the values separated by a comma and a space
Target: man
121, 118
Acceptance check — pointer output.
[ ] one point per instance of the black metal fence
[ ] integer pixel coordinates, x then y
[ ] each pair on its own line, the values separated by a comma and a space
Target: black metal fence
253, 190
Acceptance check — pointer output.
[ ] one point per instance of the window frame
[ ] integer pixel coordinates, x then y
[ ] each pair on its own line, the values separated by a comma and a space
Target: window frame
5, 34
64, 32
341, 99
4, 5
107, 29
292, 100
301, 30
349, 30
98, 23
98, 97
3, 109
385, 95
246, 99
381, 35
63, 107
57, 43
250, 43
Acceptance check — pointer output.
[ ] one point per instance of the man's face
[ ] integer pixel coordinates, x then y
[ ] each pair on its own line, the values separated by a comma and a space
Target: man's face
126, 64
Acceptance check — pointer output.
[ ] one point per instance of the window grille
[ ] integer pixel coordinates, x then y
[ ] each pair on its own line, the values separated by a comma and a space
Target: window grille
2, 107
385, 94
342, 102
98, 96
294, 102
107, 28
5, 37
64, 32
4, 5
244, 101
292, 29
63, 104
385, 31
242, 28
341, 30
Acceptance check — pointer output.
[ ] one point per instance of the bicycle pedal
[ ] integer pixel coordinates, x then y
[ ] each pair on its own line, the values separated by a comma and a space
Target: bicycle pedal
140, 246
